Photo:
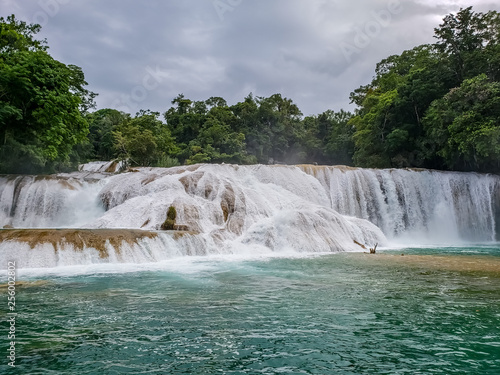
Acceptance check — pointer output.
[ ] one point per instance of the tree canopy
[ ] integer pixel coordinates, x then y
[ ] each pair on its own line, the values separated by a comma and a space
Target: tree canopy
42, 102
436, 105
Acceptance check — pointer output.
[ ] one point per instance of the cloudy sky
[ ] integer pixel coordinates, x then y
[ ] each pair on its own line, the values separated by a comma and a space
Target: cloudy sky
140, 55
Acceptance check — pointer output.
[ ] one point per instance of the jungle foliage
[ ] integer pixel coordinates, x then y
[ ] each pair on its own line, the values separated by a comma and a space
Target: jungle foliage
42, 103
435, 106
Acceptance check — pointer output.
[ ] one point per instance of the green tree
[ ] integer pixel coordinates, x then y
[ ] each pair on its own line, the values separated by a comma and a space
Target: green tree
464, 125
185, 120
328, 138
16, 35
339, 147
42, 102
248, 122
144, 141
278, 120
389, 121
102, 124
217, 141
464, 38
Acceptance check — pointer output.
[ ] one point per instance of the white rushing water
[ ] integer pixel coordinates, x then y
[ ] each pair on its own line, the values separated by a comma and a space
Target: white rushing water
49, 201
416, 206
228, 209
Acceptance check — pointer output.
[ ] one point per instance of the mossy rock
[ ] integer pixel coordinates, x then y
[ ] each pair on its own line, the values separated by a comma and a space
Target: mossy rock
169, 222
171, 213
168, 225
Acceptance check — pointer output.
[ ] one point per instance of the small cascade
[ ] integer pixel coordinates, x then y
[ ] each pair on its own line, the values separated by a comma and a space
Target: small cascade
49, 201
48, 248
102, 166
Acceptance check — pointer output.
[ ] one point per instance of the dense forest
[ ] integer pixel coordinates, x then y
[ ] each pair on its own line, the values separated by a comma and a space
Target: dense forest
435, 106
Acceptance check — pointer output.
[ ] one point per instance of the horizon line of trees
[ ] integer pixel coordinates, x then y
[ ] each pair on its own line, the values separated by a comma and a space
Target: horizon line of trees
434, 106
256, 130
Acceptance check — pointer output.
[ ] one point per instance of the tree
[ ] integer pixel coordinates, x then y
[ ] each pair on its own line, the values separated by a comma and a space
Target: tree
185, 120
372, 129
102, 124
42, 102
389, 126
279, 120
465, 125
248, 122
339, 147
217, 141
464, 37
16, 35
327, 138
145, 141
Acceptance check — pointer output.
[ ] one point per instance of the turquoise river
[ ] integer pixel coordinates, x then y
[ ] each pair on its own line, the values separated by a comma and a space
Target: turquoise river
429, 311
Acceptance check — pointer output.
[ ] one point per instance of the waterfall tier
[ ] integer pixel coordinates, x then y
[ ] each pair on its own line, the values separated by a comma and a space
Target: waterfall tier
423, 206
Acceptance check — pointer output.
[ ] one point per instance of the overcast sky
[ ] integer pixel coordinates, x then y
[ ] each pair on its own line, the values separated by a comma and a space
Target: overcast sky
142, 54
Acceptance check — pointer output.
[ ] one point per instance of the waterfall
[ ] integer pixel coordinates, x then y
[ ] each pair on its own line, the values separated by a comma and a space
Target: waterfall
419, 206
230, 209
49, 201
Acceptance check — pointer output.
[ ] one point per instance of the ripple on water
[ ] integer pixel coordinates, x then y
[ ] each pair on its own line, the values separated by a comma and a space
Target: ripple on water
348, 314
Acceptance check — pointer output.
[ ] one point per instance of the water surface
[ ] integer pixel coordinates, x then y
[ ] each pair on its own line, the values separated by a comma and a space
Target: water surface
429, 311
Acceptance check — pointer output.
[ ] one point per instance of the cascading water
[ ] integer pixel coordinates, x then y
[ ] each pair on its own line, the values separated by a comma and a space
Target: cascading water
419, 206
227, 209
49, 201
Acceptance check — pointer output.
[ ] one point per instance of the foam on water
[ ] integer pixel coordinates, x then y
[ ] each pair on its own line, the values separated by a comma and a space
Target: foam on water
194, 266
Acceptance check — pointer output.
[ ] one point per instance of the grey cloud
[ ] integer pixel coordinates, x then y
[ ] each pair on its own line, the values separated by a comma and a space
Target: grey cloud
293, 47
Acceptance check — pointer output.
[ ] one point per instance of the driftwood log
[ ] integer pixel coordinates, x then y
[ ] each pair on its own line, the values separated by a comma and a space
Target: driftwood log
373, 250
360, 244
